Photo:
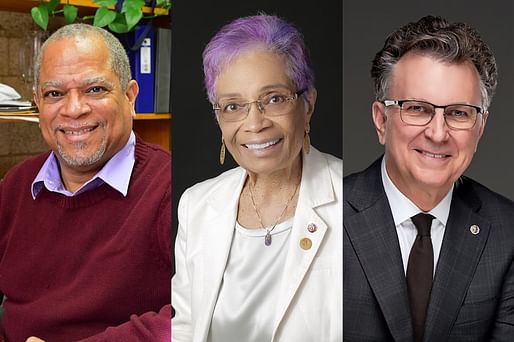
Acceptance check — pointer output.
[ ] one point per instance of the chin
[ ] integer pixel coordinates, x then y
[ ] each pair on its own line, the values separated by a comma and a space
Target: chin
260, 167
434, 182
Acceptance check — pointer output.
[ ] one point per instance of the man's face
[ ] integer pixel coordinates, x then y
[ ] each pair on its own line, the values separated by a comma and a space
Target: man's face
428, 158
85, 116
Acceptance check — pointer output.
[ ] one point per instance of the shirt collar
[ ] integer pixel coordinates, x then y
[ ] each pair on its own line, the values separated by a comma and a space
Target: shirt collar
402, 208
116, 173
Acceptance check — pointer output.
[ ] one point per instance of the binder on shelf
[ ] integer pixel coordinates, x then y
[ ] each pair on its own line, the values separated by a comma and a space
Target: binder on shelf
162, 70
142, 64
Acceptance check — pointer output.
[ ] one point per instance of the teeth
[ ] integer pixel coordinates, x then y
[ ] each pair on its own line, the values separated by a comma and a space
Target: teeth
82, 131
261, 146
433, 155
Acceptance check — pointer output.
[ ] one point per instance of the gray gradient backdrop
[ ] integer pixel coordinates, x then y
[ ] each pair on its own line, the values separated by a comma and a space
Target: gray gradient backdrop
365, 27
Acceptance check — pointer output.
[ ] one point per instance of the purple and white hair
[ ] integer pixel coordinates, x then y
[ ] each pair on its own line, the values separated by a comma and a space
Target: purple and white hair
263, 32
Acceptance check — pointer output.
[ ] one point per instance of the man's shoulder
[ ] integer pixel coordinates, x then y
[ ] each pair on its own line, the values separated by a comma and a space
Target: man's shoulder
152, 160
366, 181
151, 151
490, 200
26, 169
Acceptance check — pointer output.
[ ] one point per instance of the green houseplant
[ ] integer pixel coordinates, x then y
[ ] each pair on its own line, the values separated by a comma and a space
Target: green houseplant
124, 20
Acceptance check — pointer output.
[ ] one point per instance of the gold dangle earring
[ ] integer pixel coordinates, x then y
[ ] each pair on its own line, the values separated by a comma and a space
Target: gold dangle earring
307, 140
222, 151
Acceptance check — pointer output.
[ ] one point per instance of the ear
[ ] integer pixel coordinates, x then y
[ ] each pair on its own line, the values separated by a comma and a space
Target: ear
379, 120
482, 126
36, 98
310, 99
131, 94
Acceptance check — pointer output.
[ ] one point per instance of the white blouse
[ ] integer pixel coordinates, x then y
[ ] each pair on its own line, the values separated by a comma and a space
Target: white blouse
251, 283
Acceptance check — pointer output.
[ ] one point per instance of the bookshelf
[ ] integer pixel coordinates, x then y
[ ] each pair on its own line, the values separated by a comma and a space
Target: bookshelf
152, 127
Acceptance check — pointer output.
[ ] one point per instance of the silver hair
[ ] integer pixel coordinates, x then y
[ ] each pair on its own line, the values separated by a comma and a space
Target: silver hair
453, 43
117, 56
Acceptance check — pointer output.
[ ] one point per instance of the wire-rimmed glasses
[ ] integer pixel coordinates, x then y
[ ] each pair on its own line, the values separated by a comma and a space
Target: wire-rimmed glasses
274, 103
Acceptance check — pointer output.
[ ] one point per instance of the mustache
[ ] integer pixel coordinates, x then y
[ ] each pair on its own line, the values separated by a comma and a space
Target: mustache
78, 125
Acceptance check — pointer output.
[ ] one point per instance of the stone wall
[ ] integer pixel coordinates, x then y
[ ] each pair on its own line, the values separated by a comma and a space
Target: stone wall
18, 140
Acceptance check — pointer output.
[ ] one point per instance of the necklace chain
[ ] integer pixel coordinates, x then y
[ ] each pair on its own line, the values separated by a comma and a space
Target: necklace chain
267, 238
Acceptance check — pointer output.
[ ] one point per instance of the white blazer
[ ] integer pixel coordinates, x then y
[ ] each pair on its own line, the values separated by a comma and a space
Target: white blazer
310, 301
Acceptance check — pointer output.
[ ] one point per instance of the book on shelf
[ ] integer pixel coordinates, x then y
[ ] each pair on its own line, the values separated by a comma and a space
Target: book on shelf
162, 70
142, 64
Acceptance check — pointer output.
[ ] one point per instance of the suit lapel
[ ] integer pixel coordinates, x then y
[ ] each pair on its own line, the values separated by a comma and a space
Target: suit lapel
372, 233
316, 190
218, 241
459, 257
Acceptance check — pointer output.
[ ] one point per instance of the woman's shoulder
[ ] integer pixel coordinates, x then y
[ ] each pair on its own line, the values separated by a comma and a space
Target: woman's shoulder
226, 180
333, 163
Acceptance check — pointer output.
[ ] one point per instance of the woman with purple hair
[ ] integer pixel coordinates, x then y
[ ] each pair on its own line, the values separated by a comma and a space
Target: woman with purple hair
259, 248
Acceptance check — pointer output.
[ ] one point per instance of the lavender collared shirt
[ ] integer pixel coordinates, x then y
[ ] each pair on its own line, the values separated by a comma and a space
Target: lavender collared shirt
116, 172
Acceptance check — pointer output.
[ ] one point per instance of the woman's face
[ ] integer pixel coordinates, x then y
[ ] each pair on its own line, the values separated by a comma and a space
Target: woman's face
261, 143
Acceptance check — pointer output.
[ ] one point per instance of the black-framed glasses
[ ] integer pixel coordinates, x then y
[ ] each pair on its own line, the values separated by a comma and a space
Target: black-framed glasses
274, 103
420, 113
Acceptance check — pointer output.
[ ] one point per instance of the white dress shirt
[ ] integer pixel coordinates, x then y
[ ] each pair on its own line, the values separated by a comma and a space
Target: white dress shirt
403, 209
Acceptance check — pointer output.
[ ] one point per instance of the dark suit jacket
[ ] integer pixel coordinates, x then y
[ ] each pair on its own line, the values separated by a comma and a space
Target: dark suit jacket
473, 291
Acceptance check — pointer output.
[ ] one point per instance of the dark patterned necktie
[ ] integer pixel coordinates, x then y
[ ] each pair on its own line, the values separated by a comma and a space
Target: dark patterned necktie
419, 273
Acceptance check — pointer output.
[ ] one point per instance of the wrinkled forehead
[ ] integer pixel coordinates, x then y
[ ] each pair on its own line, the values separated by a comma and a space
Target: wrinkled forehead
74, 56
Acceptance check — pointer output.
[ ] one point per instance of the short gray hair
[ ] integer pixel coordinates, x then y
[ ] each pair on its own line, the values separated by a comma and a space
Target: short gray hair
434, 36
118, 59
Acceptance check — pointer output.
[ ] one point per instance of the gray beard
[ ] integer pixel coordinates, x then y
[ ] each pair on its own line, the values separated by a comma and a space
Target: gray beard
77, 162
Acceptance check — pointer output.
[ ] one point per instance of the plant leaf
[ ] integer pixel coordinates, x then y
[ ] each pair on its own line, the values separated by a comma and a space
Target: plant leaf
70, 13
105, 3
163, 3
52, 5
103, 17
132, 16
119, 25
132, 4
40, 16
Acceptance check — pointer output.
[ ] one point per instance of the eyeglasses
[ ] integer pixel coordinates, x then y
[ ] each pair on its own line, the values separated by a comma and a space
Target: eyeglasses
420, 113
271, 104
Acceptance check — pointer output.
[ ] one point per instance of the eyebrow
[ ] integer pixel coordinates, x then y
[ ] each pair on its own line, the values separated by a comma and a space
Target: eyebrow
95, 80
51, 84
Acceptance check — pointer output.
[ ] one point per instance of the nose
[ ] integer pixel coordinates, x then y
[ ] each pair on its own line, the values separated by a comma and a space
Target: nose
258, 104
437, 130
74, 105
256, 120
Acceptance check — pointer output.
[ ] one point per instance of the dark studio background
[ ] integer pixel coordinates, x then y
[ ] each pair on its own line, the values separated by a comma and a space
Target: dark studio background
195, 134
365, 28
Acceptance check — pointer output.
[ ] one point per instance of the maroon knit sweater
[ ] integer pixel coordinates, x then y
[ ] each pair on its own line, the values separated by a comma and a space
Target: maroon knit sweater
71, 267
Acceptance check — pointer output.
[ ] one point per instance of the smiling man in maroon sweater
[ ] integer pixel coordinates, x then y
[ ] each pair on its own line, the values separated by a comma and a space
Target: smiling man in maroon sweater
85, 228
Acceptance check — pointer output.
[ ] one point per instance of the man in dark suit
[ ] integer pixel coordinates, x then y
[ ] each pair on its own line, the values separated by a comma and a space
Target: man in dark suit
450, 278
